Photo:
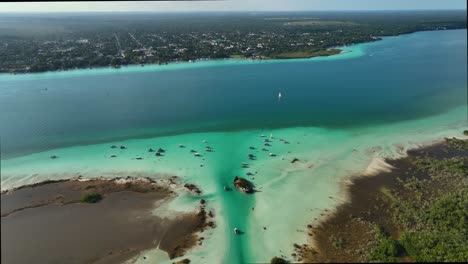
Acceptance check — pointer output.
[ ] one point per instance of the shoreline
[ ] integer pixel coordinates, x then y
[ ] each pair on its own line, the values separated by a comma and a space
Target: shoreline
346, 233
342, 50
123, 225
175, 65
175, 133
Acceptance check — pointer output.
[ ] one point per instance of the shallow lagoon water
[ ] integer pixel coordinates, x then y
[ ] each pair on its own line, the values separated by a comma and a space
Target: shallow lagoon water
366, 119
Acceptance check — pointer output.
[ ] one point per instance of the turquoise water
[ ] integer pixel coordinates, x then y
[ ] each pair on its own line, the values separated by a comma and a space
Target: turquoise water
340, 114
400, 78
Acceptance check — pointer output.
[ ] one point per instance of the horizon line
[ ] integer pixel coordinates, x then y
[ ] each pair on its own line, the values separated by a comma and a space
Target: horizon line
234, 11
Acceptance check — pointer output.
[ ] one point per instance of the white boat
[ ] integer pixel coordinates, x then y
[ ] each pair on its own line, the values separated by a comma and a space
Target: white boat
279, 96
236, 231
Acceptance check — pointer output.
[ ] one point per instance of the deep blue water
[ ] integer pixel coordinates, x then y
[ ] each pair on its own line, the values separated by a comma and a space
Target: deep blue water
405, 77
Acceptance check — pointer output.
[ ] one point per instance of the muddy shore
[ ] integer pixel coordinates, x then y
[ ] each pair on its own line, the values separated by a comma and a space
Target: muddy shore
49, 222
349, 234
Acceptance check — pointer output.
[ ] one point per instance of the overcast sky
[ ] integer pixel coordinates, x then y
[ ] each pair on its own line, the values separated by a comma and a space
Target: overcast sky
234, 5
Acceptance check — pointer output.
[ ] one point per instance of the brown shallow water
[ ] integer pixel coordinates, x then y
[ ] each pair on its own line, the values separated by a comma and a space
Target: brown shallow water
46, 223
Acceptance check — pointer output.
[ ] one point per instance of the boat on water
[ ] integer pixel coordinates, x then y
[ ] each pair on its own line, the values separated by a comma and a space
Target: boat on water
279, 96
236, 231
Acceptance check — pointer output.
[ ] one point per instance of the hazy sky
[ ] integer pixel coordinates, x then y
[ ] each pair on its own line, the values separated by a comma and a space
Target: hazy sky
234, 5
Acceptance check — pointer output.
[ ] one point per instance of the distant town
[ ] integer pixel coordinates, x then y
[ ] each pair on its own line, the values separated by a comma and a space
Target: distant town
87, 41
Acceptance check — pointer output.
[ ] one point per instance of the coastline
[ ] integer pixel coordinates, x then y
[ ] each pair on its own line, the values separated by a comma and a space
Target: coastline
231, 60
354, 228
325, 156
122, 225
347, 52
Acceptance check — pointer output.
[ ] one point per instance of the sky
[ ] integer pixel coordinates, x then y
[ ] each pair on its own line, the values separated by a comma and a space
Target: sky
233, 5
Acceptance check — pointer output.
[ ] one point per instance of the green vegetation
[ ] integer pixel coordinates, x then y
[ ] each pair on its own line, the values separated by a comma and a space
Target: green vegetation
91, 198
432, 213
237, 56
385, 250
337, 242
305, 54
458, 143
444, 232
45, 43
416, 212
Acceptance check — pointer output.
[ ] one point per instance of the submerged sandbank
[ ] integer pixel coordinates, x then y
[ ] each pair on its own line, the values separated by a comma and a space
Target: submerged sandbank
48, 222
301, 189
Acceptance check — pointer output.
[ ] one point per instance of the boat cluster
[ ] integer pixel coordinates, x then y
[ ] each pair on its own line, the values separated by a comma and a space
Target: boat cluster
160, 151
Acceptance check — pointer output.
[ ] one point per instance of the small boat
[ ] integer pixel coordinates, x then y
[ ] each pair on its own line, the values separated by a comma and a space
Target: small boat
272, 154
204, 141
226, 188
197, 154
181, 146
279, 96
236, 231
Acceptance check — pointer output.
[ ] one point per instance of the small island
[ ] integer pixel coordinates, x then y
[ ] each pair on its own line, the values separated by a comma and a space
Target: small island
243, 185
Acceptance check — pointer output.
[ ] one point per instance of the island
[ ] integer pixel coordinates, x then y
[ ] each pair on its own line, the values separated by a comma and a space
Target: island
243, 185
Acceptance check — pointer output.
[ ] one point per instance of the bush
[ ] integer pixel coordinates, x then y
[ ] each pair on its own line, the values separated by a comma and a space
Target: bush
91, 198
336, 242
386, 249
444, 237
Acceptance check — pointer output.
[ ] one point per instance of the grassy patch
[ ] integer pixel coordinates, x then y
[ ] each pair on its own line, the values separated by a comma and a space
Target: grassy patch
237, 56
305, 54
91, 198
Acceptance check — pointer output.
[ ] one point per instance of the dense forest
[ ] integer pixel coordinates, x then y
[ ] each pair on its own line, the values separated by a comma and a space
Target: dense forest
52, 42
